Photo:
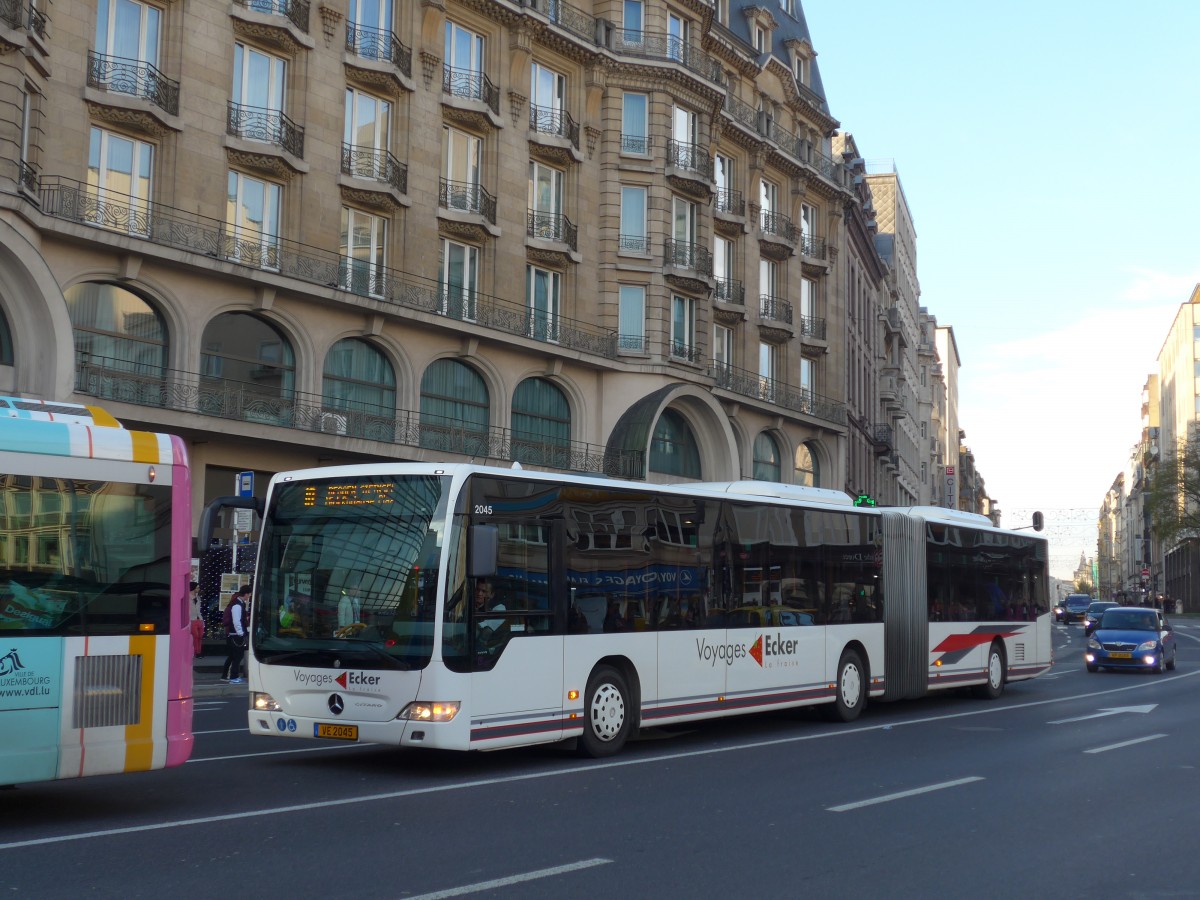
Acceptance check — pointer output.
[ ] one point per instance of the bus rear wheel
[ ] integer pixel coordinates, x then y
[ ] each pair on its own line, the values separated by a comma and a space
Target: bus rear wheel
994, 687
850, 691
607, 715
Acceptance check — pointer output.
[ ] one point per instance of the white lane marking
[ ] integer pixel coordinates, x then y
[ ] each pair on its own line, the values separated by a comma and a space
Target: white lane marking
223, 731
900, 795
513, 879
1108, 711
1141, 740
577, 770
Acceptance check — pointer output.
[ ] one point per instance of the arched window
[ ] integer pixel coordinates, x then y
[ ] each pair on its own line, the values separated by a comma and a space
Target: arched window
673, 450
808, 471
454, 409
766, 458
246, 359
541, 424
361, 381
6, 342
116, 331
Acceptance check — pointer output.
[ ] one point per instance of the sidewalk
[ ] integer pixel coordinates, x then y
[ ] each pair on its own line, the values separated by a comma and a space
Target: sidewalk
206, 673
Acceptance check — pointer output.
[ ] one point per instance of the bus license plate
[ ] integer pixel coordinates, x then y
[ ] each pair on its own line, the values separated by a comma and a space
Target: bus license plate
1120, 656
337, 732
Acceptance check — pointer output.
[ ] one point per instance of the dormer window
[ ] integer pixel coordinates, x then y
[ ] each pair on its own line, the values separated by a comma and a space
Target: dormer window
762, 24
760, 39
802, 54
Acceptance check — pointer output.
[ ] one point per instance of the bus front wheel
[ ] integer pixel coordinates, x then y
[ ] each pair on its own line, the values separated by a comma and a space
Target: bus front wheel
850, 691
607, 714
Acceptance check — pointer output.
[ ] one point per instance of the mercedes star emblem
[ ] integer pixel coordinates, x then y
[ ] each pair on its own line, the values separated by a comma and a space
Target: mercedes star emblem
336, 704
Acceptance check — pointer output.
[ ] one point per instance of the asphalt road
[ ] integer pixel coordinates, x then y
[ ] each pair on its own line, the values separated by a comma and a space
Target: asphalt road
1071, 785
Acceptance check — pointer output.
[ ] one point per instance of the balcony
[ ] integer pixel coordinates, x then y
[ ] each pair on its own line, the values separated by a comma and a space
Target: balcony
777, 235
29, 177
374, 164
686, 353
295, 11
467, 197
633, 243
481, 98
778, 393
812, 327
742, 113
689, 168
270, 126
19, 16
881, 438
566, 16
134, 227
378, 45
305, 414
688, 265
553, 121
727, 290
665, 48
729, 203
133, 78
637, 144
552, 227
812, 247
774, 309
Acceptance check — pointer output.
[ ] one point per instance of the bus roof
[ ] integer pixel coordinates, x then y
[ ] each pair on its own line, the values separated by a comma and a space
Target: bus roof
73, 430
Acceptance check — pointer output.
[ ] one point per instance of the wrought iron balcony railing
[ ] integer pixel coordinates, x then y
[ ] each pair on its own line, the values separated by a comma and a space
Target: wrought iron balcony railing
635, 143
260, 123
686, 352
666, 48
730, 291
633, 343
881, 436
787, 142
690, 157
780, 393
633, 243
741, 112
774, 309
688, 255
812, 246
74, 201
727, 201
463, 196
813, 327
830, 168
376, 165
551, 120
133, 77
222, 398
570, 17
378, 44
37, 22
552, 227
296, 11
17, 15
29, 176
779, 225
472, 85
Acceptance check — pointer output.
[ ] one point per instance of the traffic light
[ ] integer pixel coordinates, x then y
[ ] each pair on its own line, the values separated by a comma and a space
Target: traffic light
864, 500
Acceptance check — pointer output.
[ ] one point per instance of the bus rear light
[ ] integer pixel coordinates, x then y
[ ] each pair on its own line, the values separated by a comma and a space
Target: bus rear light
440, 711
264, 702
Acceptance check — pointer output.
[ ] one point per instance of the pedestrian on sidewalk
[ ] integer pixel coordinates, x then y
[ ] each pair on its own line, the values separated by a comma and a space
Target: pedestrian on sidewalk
235, 635
197, 619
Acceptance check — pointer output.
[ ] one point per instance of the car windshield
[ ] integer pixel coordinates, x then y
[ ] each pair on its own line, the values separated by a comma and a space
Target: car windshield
1097, 608
1078, 604
1130, 620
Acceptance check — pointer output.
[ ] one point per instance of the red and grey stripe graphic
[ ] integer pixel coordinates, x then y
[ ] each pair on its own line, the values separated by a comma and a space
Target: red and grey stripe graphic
956, 646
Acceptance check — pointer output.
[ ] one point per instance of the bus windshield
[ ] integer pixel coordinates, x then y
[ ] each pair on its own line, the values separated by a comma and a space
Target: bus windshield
348, 571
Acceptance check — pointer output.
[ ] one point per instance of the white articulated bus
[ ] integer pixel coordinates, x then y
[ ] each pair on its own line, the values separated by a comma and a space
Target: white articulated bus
474, 608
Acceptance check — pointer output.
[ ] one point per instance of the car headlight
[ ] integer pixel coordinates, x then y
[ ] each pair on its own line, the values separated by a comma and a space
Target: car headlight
441, 711
1147, 647
264, 702
1093, 644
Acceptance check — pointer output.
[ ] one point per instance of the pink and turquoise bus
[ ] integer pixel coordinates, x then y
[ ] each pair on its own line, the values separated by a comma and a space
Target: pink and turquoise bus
95, 550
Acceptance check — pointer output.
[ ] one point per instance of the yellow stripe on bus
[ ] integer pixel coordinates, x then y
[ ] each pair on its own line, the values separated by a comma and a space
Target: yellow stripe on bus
145, 447
103, 417
139, 738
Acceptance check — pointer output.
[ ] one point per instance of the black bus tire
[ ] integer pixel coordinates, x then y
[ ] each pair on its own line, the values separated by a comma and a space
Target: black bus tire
850, 688
994, 686
607, 714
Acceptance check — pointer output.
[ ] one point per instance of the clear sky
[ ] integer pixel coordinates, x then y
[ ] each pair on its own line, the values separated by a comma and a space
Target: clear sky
1047, 151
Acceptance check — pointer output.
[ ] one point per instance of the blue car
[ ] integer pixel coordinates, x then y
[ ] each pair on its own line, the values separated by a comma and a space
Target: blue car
1131, 637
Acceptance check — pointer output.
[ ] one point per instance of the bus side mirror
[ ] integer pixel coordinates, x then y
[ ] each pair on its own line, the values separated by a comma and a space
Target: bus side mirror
483, 551
1039, 521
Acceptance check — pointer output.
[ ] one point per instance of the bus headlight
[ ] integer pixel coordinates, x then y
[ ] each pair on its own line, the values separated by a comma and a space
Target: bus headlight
441, 711
264, 702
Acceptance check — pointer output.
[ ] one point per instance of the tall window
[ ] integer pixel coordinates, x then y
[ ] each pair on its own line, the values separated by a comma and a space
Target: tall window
546, 92
632, 15
807, 471
258, 78
683, 327
723, 175
766, 364
545, 200
768, 197
130, 31
723, 268
463, 153
541, 422
364, 252
454, 409
768, 278
120, 171
806, 374
464, 55
544, 288
631, 318
679, 33
459, 280
633, 219
635, 123
683, 125
684, 215
252, 214
767, 460
114, 328
358, 378
722, 346
374, 14
673, 449
26, 121
367, 134
808, 289
252, 353
808, 220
